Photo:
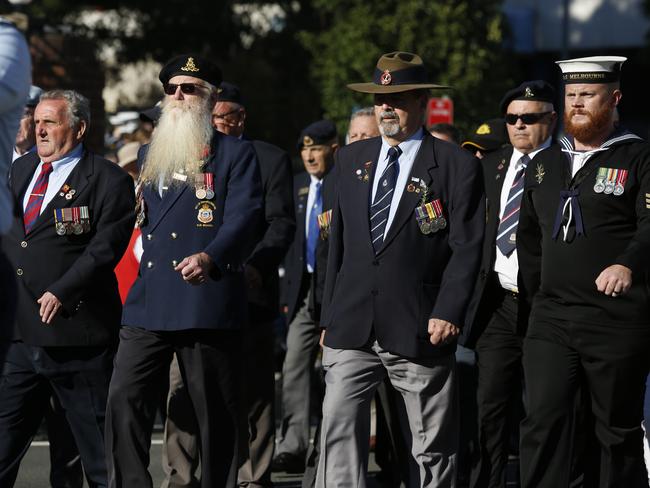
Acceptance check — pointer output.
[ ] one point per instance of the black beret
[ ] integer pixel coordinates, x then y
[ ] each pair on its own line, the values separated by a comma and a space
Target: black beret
229, 92
534, 91
191, 65
488, 136
321, 132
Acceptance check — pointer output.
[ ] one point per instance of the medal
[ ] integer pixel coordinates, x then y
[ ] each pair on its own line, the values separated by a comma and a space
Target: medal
85, 219
619, 188
425, 227
610, 183
599, 187
442, 222
59, 226
201, 194
204, 184
324, 221
422, 218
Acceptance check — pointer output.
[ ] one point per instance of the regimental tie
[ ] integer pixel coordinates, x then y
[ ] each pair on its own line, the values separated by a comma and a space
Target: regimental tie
507, 232
313, 230
33, 208
380, 207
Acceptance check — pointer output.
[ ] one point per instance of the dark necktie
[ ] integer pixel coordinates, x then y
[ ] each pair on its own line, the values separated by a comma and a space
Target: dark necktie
380, 207
507, 232
35, 202
312, 236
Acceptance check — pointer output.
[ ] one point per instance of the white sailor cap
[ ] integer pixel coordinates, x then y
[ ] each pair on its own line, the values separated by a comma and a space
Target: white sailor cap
593, 69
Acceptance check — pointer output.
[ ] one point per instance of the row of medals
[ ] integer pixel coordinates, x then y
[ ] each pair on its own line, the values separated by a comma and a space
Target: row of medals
430, 226
610, 187
76, 227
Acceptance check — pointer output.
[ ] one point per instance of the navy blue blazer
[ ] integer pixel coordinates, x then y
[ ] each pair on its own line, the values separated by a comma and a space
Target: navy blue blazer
159, 298
414, 277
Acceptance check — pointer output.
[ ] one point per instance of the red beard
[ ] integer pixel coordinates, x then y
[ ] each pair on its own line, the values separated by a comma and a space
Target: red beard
598, 122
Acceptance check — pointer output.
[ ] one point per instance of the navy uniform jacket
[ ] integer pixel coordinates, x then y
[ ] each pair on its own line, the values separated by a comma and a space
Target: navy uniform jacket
414, 277
296, 278
159, 298
560, 274
77, 269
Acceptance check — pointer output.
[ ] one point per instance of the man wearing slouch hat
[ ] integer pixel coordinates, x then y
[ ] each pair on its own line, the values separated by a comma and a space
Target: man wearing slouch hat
406, 233
583, 243
199, 205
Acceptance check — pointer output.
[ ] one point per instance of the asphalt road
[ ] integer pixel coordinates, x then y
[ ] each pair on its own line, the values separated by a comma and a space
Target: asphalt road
35, 468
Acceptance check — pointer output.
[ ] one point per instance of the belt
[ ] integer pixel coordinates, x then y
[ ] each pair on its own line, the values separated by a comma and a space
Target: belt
509, 293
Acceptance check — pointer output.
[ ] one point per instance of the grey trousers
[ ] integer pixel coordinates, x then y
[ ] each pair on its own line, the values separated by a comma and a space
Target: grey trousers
428, 390
297, 370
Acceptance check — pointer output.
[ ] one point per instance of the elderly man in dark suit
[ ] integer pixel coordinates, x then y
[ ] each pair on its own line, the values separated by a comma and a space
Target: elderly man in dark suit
199, 208
304, 281
180, 449
73, 221
498, 314
407, 229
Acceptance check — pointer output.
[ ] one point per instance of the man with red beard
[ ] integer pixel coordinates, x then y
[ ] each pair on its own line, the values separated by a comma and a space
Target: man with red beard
583, 244
199, 209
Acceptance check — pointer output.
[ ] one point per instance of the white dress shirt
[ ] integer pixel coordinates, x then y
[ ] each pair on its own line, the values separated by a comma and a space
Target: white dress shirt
311, 199
410, 148
507, 267
61, 169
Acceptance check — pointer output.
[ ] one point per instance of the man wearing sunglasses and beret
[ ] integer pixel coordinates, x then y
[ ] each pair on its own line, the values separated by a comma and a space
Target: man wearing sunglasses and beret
498, 314
199, 207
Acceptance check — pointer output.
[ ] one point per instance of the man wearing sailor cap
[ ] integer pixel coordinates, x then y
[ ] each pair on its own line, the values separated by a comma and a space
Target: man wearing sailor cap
583, 245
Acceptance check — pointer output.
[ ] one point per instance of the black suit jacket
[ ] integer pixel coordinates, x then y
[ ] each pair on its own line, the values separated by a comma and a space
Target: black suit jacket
278, 230
414, 277
482, 306
77, 269
297, 282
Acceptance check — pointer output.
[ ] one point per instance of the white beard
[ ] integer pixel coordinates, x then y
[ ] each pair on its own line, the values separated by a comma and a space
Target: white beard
179, 141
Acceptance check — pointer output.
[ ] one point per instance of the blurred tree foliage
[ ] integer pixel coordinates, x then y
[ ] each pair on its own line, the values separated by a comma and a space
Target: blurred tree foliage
461, 42
294, 70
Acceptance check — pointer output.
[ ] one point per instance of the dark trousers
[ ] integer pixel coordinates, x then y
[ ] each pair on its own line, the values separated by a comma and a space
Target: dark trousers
209, 364
499, 391
613, 360
79, 377
65, 461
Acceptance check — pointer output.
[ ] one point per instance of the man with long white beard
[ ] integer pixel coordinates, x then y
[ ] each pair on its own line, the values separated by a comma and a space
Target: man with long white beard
583, 244
199, 205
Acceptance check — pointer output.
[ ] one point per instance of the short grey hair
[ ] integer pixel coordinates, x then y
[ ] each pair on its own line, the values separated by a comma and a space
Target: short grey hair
78, 105
363, 112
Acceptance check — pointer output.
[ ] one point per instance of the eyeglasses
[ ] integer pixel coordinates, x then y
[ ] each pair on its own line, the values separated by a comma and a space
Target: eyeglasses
186, 88
528, 119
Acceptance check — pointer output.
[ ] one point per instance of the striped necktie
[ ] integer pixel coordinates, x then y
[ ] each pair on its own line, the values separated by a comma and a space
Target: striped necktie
35, 202
507, 232
380, 208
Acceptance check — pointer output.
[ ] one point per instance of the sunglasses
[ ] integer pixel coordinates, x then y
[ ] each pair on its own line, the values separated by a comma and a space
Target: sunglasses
186, 88
528, 119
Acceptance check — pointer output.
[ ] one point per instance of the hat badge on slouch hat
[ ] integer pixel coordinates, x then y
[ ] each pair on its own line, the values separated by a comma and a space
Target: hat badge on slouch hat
386, 78
190, 66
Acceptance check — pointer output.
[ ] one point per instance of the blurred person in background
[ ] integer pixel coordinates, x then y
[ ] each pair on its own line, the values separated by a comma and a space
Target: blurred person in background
488, 136
446, 132
362, 125
26, 136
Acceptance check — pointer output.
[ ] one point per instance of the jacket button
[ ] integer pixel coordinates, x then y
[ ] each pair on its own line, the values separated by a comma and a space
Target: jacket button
19, 271
374, 293
149, 265
23, 244
174, 235
174, 263
149, 237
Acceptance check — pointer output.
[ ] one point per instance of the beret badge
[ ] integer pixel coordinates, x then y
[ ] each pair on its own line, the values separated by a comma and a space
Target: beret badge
529, 93
190, 66
483, 129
